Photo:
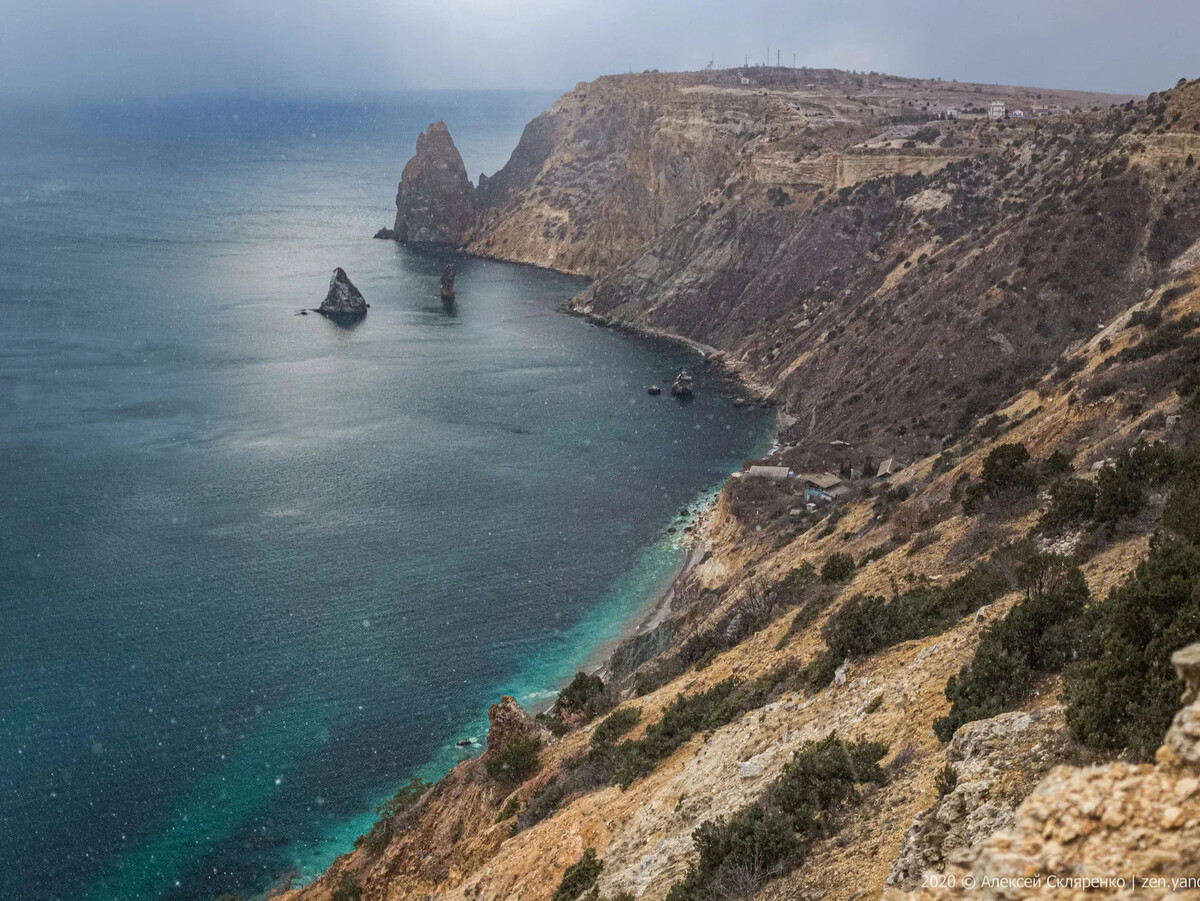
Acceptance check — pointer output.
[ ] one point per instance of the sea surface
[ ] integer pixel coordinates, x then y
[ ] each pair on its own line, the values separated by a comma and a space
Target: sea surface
258, 569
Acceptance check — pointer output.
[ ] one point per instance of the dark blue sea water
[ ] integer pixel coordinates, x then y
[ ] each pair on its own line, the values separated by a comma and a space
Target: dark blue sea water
256, 569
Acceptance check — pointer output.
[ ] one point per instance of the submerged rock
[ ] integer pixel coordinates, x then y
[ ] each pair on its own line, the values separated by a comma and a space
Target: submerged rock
343, 300
435, 203
448, 275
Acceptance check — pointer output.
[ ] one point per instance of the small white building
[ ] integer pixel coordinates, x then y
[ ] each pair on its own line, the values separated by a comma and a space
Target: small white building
952, 112
998, 110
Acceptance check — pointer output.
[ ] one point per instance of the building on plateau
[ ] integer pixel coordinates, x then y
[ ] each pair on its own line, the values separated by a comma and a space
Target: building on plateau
997, 110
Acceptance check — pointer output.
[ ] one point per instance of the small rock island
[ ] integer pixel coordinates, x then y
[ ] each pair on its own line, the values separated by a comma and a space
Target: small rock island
344, 301
448, 275
435, 202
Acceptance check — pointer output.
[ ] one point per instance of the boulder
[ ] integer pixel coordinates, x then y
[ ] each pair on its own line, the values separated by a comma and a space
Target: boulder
386, 234
683, 384
997, 762
435, 203
343, 300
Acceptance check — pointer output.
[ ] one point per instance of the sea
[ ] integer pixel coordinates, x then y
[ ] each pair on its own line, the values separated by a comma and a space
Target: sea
258, 569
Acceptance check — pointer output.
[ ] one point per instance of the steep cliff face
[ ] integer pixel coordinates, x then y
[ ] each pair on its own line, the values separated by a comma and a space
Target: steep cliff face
435, 202
609, 167
615, 163
887, 312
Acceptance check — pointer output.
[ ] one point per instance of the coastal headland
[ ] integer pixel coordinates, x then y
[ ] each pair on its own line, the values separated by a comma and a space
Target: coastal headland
979, 332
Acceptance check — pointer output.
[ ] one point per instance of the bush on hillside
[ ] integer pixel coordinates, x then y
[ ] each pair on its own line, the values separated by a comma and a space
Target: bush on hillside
838, 568
579, 877
772, 837
517, 762
865, 625
1039, 635
1122, 692
1072, 502
1122, 489
347, 889
583, 691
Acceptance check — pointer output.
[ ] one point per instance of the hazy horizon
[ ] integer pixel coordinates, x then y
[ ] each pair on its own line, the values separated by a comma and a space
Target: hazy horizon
72, 49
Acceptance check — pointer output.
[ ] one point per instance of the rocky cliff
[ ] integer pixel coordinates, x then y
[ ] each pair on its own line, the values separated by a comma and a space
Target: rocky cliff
840, 243
1013, 313
435, 202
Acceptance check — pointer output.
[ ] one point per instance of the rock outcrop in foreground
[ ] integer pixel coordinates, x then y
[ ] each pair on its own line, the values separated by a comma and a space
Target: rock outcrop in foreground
1098, 829
343, 300
435, 203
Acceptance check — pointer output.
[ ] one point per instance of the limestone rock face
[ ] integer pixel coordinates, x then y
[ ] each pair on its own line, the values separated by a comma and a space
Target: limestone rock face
1100, 823
343, 299
997, 763
435, 204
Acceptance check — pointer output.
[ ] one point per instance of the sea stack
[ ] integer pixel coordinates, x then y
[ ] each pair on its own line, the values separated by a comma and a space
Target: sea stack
448, 281
682, 386
435, 204
344, 301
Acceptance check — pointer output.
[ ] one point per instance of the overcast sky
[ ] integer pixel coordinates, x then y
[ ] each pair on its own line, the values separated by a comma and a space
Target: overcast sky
127, 47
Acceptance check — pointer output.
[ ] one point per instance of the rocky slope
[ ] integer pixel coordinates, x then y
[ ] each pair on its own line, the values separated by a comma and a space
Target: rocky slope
459, 840
1035, 290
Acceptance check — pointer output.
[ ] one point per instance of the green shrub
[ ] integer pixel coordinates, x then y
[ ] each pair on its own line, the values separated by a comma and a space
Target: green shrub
946, 781
1182, 511
511, 808
517, 762
770, 838
1121, 489
347, 889
1006, 469
686, 715
579, 877
582, 691
403, 799
1123, 692
1057, 465
865, 625
1166, 337
615, 725
1072, 502
1040, 634
838, 568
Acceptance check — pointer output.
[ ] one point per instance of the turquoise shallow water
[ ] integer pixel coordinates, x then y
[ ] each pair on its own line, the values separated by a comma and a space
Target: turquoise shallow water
256, 570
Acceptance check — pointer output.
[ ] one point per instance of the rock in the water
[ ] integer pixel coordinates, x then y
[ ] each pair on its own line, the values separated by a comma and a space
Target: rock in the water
448, 281
386, 234
654, 391
343, 299
435, 204
683, 385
